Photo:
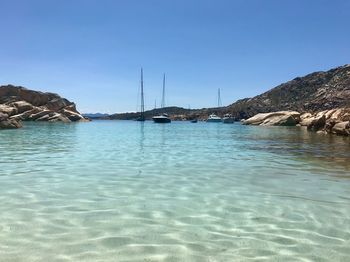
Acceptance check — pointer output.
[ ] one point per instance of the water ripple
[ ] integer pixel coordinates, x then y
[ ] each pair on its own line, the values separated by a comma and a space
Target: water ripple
121, 191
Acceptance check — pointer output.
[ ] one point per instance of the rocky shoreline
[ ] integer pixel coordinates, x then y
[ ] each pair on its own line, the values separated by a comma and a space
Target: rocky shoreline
335, 121
319, 101
20, 104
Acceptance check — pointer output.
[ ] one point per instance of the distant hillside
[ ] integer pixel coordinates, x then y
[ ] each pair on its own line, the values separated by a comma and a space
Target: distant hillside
314, 92
174, 111
95, 115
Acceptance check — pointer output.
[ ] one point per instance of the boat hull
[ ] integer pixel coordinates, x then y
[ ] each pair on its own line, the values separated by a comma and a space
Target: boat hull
161, 120
228, 120
214, 120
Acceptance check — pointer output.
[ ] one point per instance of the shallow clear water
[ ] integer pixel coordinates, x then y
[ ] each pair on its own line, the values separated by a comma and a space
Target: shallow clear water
130, 191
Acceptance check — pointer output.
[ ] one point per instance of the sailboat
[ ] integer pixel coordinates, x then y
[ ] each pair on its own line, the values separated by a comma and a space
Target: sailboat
163, 118
142, 111
213, 117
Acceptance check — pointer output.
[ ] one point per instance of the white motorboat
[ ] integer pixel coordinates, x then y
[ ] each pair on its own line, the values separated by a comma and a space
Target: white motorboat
214, 118
228, 119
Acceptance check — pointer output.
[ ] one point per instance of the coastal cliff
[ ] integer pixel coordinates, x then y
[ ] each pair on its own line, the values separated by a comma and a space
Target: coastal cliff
20, 104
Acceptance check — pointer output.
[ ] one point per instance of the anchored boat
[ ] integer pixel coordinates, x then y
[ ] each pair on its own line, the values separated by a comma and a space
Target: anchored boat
163, 118
228, 119
214, 118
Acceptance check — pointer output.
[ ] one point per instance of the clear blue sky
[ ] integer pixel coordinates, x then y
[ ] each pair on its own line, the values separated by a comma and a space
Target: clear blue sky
91, 51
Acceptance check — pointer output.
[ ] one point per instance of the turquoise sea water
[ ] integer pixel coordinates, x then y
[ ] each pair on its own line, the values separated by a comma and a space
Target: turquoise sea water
130, 191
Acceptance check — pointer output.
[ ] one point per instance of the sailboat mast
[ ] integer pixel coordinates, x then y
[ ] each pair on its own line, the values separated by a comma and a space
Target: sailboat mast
142, 97
163, 95
219, 98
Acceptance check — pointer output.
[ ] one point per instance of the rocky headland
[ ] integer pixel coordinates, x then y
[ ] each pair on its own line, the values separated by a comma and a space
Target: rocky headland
20, 104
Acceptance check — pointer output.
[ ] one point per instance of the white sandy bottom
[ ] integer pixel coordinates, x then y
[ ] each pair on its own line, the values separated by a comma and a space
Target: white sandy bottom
199, 204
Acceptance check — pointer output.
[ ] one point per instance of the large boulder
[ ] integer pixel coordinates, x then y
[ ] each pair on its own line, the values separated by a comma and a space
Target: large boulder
22, 106
39, 114
46, 117
57, 104
305, 116
283, 120
72, 108
3, 116
340, 113
310, 120
25, 115
342, 128
334, 121
6, 123
73, 116
280, 118
9, 110
306, 119
56, 117
317, 123
327, 120
330, 123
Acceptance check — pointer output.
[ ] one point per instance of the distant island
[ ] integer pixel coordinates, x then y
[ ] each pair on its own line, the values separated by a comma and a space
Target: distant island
320, 101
